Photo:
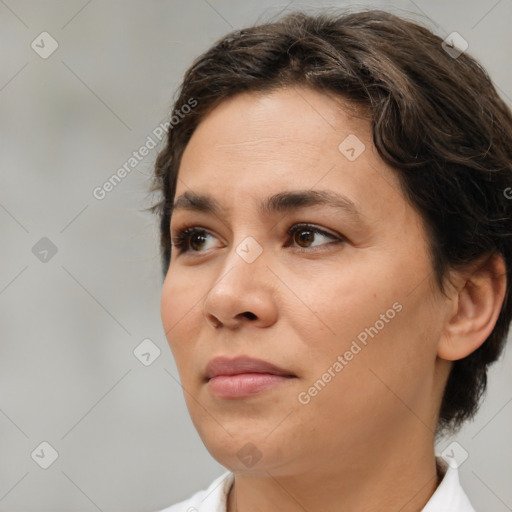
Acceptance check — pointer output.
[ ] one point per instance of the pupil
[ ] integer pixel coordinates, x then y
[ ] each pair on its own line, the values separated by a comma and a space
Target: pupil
307, 238
195, 238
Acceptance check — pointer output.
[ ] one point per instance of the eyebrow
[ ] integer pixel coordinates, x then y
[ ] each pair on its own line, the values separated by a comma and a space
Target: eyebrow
277, 203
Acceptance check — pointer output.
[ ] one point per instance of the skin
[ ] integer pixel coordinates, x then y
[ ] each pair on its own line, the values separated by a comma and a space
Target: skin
365, 442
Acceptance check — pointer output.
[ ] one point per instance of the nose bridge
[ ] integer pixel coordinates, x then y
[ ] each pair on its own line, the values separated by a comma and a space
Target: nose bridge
243, 267
241, 289
249, 250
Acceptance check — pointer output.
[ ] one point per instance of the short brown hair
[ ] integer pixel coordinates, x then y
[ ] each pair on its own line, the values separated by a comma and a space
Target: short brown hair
436, 118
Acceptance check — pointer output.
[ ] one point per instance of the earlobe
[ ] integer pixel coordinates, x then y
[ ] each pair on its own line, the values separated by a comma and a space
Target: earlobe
476, 305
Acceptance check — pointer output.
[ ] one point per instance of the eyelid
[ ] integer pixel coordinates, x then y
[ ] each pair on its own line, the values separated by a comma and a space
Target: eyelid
180, 240
335, 238
184, 230
313, 227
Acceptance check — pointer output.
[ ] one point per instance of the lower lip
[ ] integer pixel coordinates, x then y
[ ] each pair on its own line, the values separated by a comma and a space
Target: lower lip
244, 384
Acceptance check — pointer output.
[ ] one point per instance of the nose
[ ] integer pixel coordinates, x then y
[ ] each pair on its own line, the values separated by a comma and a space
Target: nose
244, 294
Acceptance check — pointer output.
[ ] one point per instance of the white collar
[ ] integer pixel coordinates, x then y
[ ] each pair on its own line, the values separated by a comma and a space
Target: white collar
448, 497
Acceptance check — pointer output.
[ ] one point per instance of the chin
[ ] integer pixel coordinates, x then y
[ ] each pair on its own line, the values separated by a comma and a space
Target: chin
247, 452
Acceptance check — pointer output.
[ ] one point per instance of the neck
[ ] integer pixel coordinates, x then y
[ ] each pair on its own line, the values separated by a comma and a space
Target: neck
390, 481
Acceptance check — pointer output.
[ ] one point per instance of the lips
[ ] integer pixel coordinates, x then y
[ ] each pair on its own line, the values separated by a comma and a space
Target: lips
223, 366
243, 377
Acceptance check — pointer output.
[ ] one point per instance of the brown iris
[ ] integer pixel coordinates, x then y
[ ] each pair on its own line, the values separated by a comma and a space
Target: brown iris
305, 236
200, 238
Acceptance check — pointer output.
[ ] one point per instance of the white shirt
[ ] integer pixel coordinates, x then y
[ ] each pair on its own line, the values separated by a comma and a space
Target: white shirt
448, 497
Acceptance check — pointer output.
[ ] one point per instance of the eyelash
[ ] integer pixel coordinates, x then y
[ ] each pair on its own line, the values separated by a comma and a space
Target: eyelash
182, 238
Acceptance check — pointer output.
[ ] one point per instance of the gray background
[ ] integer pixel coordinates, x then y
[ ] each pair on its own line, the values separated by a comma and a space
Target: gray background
69, 325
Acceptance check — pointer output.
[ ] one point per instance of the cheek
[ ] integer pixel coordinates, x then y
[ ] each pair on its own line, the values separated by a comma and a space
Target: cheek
392, 366
180, 309
376, 317
342, 302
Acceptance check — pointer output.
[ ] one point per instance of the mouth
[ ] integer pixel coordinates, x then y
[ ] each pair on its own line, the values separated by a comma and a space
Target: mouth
243, 376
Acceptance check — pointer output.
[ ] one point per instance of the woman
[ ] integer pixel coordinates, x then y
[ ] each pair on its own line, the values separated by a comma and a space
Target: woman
335, 233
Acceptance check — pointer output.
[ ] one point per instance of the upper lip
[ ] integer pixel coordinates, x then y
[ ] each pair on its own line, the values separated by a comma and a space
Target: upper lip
242, 364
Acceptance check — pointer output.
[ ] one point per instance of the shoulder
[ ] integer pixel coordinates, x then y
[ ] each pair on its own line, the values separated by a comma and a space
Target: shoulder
212, 499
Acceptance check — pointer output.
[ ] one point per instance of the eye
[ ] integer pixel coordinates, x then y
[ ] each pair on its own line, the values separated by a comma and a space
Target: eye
191, 238
305, 235
195, 239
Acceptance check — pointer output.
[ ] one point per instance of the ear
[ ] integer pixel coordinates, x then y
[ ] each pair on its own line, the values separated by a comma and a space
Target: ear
479, 292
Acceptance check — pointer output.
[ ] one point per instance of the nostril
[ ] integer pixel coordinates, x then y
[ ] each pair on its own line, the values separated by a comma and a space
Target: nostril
249, 315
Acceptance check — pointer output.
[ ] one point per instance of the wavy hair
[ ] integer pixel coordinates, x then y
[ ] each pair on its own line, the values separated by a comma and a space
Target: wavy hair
436, 119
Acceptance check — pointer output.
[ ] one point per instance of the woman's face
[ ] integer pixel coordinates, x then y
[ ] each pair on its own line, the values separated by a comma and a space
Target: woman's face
313, 261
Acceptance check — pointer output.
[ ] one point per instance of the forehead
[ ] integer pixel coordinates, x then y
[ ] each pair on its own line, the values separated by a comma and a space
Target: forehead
291, 138
284, 119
